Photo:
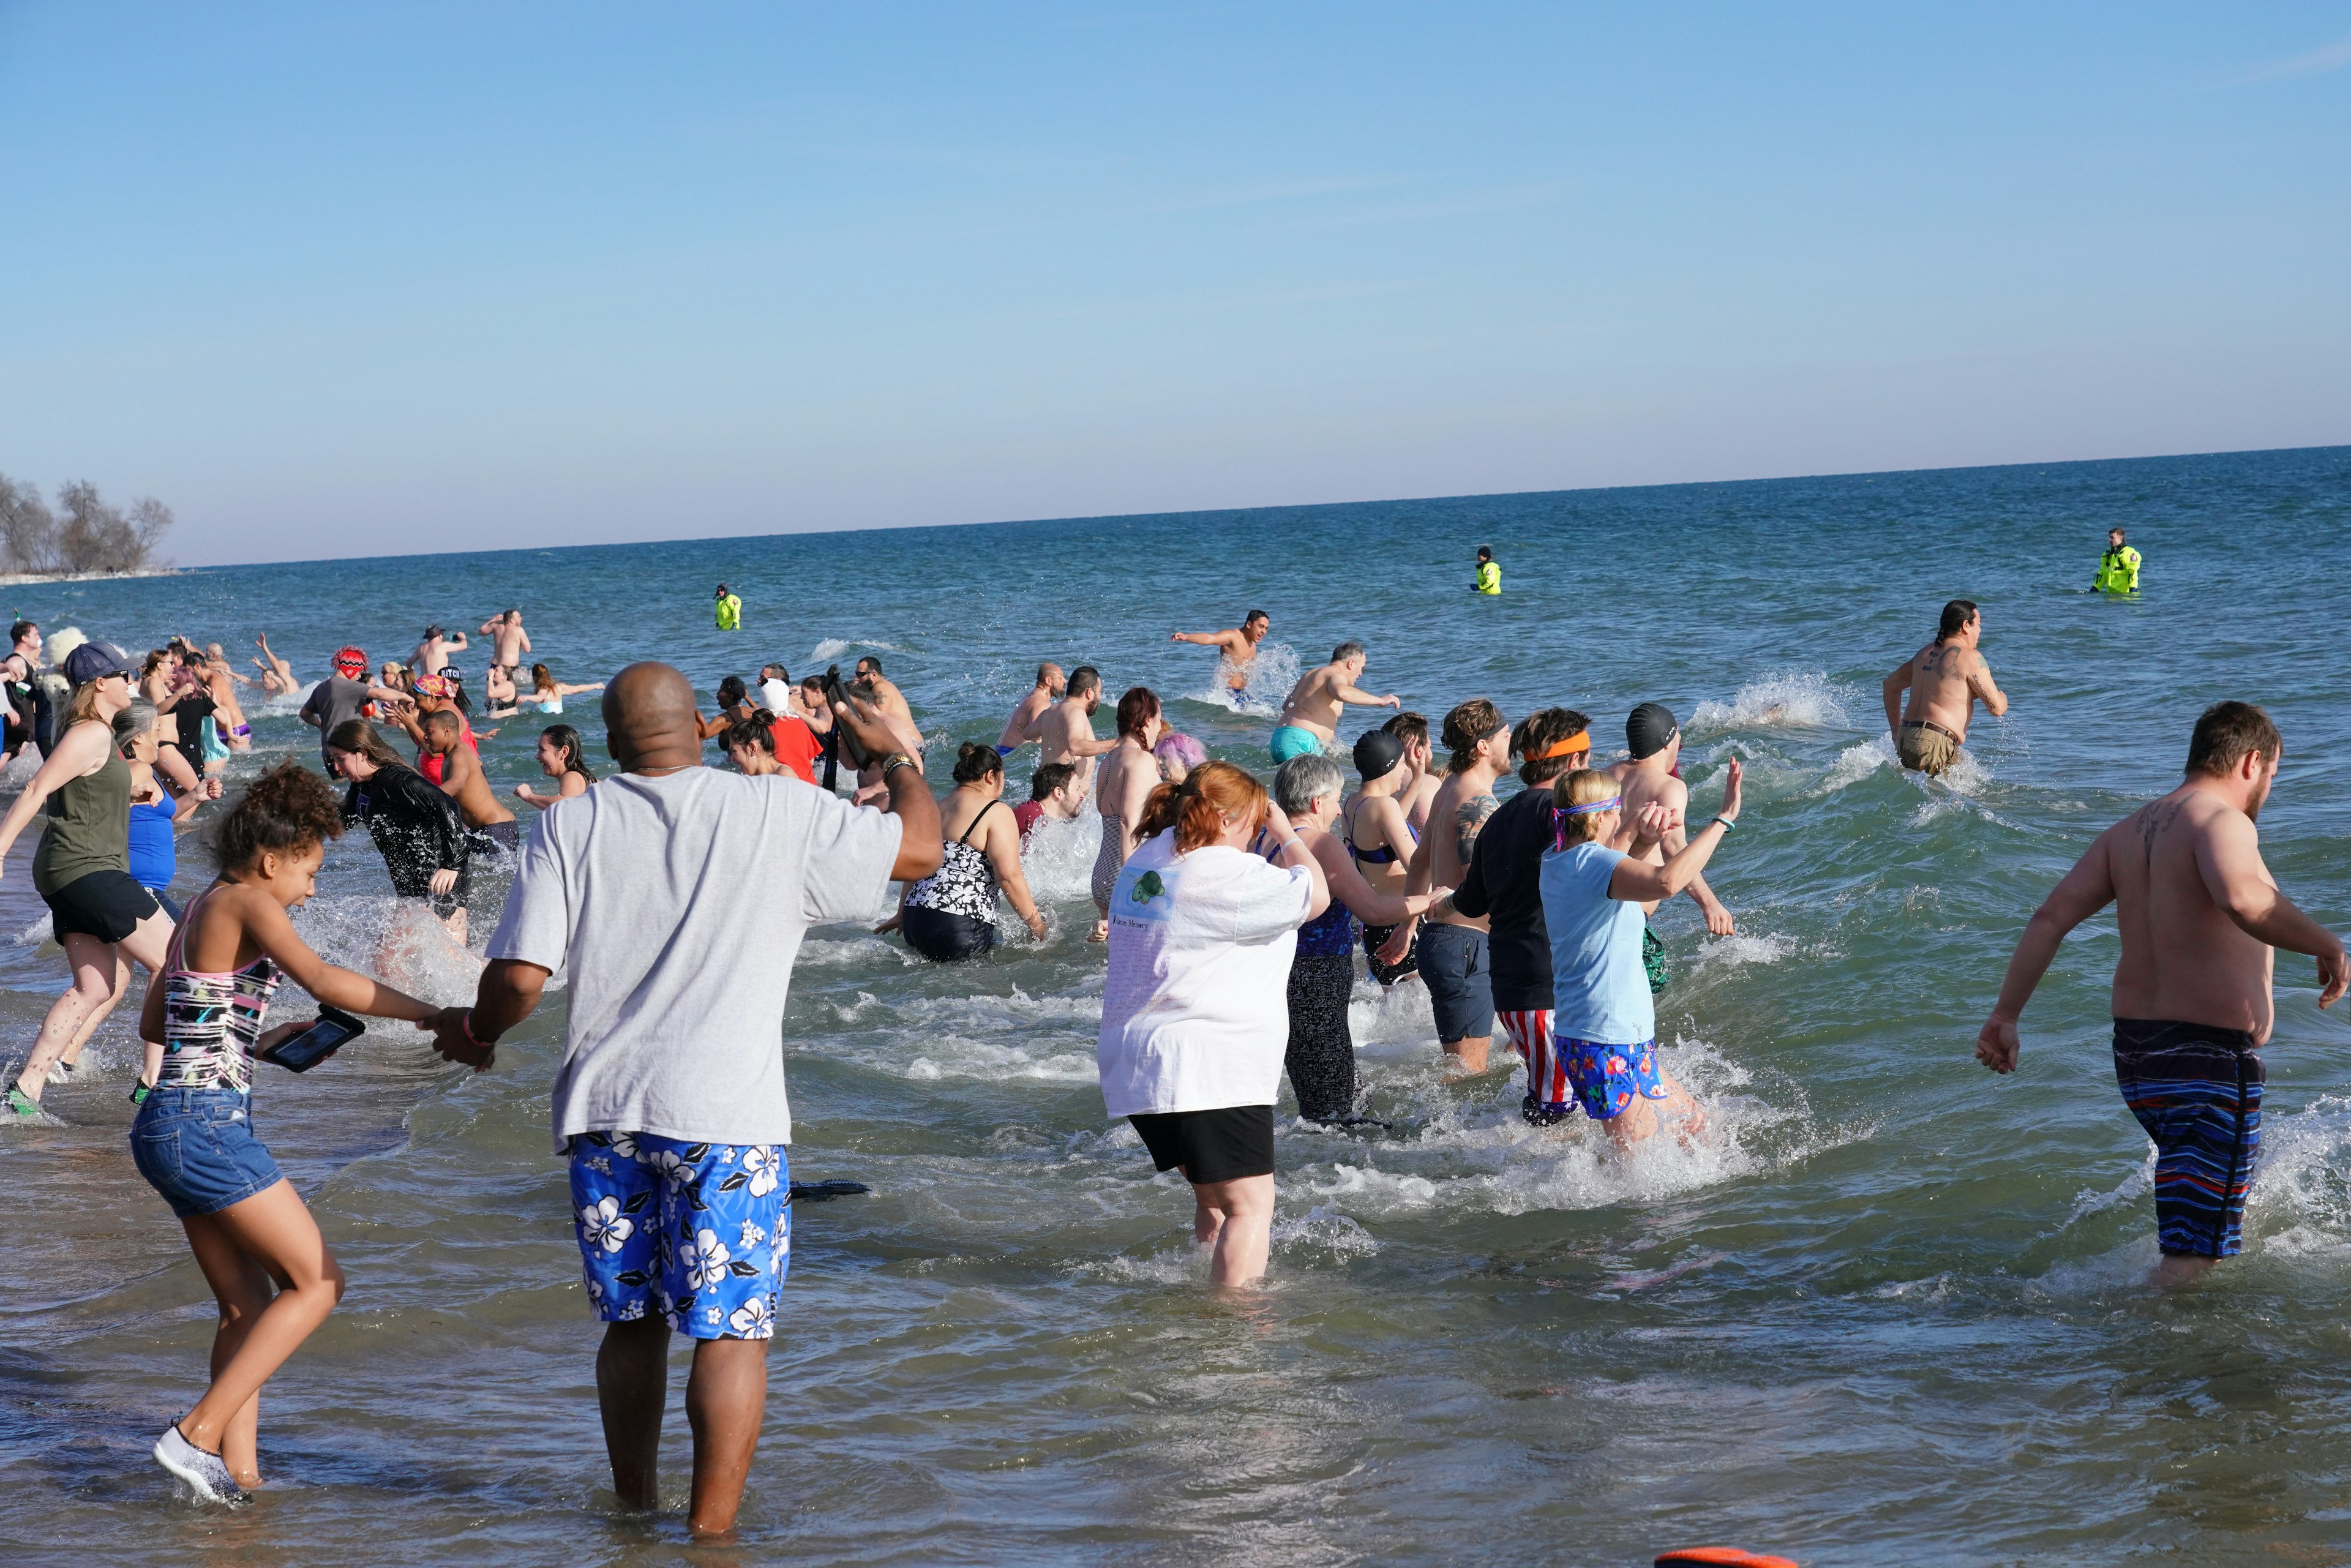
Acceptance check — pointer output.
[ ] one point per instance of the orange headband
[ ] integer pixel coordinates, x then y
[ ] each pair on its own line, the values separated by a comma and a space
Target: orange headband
1580, 741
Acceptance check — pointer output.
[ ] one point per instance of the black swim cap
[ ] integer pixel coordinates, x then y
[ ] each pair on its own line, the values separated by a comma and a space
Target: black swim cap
1650, 729
1376, 754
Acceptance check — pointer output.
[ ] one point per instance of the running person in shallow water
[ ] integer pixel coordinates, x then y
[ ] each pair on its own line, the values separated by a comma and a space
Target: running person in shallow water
1238, 643
2193, 1000
1945, 679
1309, 719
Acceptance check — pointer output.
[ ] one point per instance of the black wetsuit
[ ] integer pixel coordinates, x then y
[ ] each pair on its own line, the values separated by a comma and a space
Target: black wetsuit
416, 828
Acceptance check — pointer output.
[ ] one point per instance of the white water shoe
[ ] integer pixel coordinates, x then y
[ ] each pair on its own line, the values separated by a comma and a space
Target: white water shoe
206, 1474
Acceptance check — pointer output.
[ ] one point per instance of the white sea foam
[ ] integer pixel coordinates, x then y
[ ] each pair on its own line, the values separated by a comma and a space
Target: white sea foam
1321, 1230
41, 930
951, 1055
830, 650
2090, 1201
1737, 952
1788, 700
1271, 676
1857, 762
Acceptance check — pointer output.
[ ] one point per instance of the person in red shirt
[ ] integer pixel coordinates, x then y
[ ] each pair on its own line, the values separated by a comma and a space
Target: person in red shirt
434, 693
1055, 792
755, 744
797, 749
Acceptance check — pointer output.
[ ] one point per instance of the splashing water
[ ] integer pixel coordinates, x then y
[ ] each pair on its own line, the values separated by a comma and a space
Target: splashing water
1271, 675
1792, 699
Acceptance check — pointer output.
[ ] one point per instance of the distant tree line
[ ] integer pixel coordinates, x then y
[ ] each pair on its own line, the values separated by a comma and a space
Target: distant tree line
83, 535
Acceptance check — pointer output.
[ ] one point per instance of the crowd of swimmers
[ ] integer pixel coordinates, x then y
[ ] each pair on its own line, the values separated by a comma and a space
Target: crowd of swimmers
1233, 915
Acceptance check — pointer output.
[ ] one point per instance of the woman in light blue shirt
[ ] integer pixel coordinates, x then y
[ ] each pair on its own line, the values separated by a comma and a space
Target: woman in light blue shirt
1600, 1050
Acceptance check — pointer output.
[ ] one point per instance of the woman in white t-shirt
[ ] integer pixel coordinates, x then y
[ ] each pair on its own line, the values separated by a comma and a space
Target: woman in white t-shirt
1194, 1018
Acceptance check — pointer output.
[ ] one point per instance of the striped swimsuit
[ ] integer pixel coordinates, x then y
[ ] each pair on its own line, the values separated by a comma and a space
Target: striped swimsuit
2197, 1089
211, 1020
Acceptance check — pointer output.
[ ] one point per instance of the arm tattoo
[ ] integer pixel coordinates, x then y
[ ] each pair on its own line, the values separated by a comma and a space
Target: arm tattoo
1467, 820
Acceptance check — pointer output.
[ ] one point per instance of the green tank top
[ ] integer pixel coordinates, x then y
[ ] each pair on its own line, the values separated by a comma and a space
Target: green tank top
89, 828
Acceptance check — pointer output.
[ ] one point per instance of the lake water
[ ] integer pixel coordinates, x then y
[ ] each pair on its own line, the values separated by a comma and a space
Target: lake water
1891, 1313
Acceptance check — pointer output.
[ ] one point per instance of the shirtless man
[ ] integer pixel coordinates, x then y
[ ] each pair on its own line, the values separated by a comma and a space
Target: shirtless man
277, 675
1238, 645
1453, 960
1128, 777
2193, 1000
433, 652
1421, 782
228, 713
1654, 739
872, 683
1021, 728
1945, 679
1310, 719
1065, 732
443, 736
509, 641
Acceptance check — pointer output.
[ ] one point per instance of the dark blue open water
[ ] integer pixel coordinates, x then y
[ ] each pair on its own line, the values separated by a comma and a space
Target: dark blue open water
1892, 1314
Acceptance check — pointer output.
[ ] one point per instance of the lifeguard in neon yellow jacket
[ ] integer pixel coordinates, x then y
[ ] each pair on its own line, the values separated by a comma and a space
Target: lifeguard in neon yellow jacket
2118, 567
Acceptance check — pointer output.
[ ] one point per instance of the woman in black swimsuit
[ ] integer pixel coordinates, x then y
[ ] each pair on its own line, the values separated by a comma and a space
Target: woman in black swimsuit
1374, 817
416, 828
950, 915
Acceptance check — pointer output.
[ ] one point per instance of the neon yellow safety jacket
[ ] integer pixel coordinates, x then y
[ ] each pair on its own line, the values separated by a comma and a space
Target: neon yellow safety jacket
2118, 572
730, 613
1489, 577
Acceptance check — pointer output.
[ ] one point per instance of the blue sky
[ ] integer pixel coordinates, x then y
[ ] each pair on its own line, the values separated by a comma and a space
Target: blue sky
341, 280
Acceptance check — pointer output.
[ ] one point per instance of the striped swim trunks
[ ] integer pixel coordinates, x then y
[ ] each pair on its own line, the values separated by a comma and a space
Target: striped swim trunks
2197, 1089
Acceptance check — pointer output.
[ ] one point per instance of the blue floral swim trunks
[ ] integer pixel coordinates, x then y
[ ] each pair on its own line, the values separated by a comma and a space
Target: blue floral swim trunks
1607, 1077
699, 1233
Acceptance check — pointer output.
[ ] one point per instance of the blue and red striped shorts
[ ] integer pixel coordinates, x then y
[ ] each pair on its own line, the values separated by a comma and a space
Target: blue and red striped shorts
2197, 1089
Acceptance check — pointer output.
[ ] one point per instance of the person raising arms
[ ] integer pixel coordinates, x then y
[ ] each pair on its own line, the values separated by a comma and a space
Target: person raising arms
549, 693
463, 781
669, 1104
194, 1141
1238, 645
1309, 719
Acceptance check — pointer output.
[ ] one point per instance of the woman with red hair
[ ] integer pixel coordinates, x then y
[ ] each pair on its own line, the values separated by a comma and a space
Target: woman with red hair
1195, 1015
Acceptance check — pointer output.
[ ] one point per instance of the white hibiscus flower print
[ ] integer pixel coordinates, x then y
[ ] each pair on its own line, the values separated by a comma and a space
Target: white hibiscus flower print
601, 1224
759, 1160
752, 1236
633, 1311
625, 1146
726, 1156
599, 1164
711, 1316
753, 1319
704, 1259
596, 1291
673, 1171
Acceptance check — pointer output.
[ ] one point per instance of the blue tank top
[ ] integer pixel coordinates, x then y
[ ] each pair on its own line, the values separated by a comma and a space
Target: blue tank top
154, 856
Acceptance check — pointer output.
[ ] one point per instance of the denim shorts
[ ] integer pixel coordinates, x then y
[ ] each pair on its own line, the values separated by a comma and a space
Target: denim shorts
196, 1147
698, 1234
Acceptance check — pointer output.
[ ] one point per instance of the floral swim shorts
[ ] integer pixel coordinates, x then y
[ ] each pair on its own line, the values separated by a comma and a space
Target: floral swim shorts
700, 1233
1607, 1077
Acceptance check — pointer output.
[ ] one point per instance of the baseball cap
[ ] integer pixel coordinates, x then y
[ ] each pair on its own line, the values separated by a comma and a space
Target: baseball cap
94, 662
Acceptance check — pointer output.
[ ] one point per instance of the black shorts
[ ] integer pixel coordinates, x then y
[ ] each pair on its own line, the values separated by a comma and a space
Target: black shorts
1210, 1146
105, 904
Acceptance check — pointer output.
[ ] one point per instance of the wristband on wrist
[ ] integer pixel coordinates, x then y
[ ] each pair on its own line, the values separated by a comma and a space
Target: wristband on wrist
1727, 823
465, 1023
895, 759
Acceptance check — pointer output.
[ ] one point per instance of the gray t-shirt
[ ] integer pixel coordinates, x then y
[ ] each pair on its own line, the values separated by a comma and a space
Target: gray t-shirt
332, 701
675, 906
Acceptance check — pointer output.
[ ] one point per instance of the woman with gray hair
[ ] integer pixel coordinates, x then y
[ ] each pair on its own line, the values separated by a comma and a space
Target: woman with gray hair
1321, 1060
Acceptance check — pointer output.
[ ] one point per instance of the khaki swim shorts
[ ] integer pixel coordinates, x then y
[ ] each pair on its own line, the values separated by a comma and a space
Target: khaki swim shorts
1926, 747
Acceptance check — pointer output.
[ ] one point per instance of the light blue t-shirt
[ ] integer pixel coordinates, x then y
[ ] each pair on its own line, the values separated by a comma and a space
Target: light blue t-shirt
1599, 989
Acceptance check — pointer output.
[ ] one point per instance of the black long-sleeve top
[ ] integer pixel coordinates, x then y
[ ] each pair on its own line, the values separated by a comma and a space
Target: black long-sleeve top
414, 825
1504, 882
